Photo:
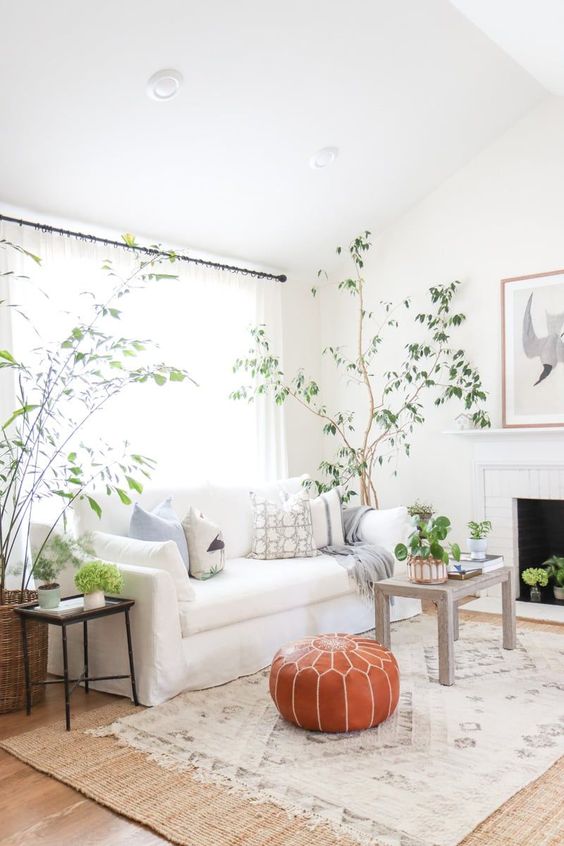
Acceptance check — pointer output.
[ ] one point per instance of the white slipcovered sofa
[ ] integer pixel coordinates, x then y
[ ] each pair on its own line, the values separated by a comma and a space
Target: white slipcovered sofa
235, 621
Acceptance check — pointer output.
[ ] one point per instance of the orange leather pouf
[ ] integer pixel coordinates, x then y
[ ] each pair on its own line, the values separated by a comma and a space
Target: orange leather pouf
335, 683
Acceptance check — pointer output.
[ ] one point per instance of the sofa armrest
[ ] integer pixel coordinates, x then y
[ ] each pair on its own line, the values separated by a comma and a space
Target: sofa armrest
385, 527
157, 641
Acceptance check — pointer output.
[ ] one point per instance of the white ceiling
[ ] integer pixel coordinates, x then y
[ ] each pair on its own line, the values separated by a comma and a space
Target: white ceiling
407, 90
531, 32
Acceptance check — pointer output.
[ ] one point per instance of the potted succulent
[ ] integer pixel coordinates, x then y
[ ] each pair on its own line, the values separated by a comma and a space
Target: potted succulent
555, 571
426, 553
420, 511
96, 579
478, 540
536, 578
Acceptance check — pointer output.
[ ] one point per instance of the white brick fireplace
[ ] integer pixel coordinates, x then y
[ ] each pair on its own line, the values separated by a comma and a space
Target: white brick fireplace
512, 464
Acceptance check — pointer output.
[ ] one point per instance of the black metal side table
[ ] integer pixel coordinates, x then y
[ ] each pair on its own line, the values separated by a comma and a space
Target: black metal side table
64, 618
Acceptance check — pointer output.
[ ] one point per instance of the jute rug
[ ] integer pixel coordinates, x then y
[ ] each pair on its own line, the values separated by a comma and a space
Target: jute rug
194, 768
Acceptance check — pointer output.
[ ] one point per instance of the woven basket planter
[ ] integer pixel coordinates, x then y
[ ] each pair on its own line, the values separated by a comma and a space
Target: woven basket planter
12, 676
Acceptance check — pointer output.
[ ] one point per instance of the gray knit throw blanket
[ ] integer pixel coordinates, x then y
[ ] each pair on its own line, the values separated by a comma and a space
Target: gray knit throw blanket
365, 563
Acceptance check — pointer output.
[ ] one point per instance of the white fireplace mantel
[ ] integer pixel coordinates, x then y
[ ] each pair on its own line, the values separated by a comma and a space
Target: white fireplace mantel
512, 464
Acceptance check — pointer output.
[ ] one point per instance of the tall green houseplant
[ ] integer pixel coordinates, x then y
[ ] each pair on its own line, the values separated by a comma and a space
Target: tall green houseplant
393, 398
60, 386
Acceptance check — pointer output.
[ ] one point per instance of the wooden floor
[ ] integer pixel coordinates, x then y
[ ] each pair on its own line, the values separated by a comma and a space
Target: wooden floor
36, 809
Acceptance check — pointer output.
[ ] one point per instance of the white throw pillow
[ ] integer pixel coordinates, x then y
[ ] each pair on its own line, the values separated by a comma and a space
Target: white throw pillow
386, 527
282, 529
161, 555
327, 519
205, 545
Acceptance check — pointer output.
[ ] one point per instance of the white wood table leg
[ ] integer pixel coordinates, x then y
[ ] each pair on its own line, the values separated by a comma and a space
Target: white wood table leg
445, 615
508, 610
382, 610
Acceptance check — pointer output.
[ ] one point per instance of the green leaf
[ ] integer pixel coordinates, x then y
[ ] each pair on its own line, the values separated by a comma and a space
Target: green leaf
123, 496
455, 551
7, 356
159, 378
129, 239
94, 506
25, 409
400, 552
134, 485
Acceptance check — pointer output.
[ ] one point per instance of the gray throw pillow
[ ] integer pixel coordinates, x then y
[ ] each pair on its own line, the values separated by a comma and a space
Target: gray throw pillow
160, 524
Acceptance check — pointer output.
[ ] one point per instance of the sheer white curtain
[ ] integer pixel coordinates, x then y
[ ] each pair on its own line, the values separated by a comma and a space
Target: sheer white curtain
200, 320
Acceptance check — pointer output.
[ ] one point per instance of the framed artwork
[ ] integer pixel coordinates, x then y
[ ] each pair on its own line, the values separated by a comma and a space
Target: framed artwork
532, 309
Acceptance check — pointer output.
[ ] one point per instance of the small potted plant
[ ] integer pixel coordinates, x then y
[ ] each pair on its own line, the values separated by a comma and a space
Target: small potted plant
420, 511
535, 577
555, 571
96, 579
427, 554
478, 540
51, 559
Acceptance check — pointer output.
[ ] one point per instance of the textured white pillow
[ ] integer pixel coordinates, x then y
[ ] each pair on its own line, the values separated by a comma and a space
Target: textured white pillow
386, 527
205, 545
161, 555
327, 519
282, 529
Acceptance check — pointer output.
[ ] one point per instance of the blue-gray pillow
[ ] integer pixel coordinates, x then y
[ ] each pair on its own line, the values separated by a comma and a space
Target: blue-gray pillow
160, 524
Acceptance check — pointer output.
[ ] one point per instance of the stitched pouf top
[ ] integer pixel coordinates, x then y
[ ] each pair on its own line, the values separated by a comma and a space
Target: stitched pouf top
335, 683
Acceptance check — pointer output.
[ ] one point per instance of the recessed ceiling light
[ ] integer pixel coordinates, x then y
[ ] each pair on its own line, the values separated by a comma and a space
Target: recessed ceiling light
324, 157
164, 84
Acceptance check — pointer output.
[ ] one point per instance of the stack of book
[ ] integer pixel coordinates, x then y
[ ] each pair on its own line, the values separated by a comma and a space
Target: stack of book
469, 567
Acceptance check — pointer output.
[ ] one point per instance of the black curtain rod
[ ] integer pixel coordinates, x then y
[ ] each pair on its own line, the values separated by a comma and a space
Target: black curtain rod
150, 251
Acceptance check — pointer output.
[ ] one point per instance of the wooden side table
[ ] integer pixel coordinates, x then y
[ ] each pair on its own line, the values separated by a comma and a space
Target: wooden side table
446, 597
31, 611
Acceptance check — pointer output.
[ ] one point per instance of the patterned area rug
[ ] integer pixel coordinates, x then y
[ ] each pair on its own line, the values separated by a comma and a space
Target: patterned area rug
446, 760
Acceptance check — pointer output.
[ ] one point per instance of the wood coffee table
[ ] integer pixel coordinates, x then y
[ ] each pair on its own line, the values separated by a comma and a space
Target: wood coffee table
446, 597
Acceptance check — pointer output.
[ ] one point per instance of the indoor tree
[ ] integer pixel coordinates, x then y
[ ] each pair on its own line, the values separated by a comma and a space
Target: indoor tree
393, 398
60, 386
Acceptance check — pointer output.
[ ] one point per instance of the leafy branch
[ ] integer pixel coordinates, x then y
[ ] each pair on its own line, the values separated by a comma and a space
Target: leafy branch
393, 406
60, 388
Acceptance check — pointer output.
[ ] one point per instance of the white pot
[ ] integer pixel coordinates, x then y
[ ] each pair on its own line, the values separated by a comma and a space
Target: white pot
558, 592
93, 600
477, 548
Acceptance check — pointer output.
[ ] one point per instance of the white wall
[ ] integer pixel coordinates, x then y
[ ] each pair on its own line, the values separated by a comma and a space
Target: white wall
302, 342
501, 215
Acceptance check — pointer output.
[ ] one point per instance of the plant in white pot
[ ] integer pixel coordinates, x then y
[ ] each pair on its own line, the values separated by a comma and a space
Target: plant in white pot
478, 540
94, 580
426, 553
55, 555
555, 571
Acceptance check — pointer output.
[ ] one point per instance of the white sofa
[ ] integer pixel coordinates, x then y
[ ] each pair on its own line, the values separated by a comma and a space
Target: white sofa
236, 620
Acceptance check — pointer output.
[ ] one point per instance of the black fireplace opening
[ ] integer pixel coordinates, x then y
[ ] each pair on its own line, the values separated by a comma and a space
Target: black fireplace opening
540, 529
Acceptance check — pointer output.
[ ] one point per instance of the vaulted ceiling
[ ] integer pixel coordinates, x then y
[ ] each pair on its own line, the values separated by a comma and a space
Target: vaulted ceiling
407, 90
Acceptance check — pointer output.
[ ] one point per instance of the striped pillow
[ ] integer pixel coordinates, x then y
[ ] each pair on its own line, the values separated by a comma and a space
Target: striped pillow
327, 519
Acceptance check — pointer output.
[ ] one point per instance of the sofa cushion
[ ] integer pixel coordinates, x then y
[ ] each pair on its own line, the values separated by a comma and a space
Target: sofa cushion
327, 519
159, 524
386, 527
205, 543
248, 588
155, 554
282, 529
231, 509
